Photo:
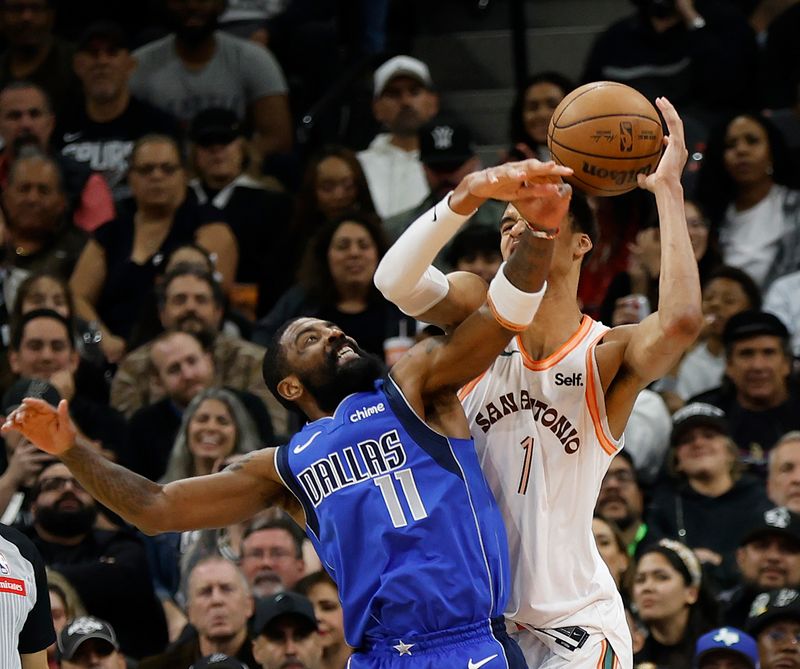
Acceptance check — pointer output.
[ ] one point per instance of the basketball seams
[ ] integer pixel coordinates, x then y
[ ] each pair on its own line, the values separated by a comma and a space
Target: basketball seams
622, 115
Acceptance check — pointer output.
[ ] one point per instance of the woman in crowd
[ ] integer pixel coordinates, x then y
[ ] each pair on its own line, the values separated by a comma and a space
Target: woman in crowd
117, 269
215, 426
65, 604
333, 183
708, 499
533, 106
613, 550
727, 291
745, 187
644, 268
321, 590
673, 603
336, 284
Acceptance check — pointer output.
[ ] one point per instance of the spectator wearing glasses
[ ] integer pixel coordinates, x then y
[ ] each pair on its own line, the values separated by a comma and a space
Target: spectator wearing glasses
272, 556
116, 272
774, 621
107, 567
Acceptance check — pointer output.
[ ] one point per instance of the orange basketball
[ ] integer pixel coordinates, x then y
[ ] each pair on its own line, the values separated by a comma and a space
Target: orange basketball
607, 133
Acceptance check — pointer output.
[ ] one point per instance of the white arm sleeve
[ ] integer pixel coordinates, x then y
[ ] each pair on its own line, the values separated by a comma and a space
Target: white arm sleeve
405, 275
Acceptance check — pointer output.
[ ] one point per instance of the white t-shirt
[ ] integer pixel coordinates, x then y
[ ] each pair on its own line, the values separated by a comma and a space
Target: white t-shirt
749, 239
699, 371
395, 177
783, 300
239, 73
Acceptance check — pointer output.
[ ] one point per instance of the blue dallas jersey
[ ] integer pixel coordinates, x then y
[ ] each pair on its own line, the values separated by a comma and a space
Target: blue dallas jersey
401, 517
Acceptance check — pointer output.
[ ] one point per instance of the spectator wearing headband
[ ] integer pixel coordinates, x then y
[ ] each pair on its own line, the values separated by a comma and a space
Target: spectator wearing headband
673, 603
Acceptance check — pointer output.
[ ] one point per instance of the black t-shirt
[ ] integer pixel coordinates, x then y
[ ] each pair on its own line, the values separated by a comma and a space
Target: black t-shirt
128, 286
23, 596
106, 147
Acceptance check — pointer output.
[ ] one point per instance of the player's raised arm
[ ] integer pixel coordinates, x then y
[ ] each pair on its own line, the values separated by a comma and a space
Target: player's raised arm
658, 342
447, 363
405, 275
232, 495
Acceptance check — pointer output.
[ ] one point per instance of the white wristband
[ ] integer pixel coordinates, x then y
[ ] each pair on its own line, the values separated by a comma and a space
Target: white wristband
513, 308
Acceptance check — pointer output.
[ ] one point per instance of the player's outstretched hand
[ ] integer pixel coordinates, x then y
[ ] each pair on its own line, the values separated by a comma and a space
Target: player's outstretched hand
48, 428
512, 181
545, 212
670, 167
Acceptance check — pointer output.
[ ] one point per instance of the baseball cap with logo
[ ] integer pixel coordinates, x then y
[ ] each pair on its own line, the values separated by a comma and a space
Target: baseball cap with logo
25, 387
730, 640
401, 66
694, 415
768, 607
778, 521
445, 146
82, 629
289, 604
218, 661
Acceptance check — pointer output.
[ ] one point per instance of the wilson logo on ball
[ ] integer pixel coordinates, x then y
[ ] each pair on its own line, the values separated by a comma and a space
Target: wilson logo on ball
619, 177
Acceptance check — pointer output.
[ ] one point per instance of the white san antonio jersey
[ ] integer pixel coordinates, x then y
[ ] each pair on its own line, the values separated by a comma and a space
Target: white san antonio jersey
542, 436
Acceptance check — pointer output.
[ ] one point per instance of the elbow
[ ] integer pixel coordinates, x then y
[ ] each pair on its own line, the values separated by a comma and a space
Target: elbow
686, 324
384, 281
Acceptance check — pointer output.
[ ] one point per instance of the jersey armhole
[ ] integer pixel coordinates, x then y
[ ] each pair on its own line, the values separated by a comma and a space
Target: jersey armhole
596, 401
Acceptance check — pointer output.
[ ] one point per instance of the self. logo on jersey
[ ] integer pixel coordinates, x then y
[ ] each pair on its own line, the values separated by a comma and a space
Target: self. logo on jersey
574, 379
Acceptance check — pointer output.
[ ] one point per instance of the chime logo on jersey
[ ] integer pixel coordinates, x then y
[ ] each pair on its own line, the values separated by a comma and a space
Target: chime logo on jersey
3, 565
355, 464
542, 413
13, 586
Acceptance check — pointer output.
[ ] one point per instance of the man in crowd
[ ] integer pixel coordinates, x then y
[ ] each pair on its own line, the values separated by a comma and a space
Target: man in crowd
272, 556
27, 118
100, 131
783, 472
183, 368
89, 643
622, 501
285, 633
760, 404
198, 66
218, 605
33, 53
768, 557
774, 622
191, 300
726, 648
107, 567
403, 101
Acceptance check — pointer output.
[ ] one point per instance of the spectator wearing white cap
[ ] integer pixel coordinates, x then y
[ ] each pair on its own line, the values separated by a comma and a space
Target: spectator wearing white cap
403, 101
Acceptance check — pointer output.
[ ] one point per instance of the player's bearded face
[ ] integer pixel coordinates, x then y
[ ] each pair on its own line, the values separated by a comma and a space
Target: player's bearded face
335, 379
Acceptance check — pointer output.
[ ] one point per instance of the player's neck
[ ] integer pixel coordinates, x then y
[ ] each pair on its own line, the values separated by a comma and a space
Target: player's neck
107, 110
557, 319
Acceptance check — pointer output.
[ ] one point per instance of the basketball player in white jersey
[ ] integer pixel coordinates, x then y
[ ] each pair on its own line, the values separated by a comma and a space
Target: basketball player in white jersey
548, 415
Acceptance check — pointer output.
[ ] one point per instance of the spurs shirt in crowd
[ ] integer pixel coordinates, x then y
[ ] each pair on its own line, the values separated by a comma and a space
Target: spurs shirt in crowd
404, 522
26, 625
544, 444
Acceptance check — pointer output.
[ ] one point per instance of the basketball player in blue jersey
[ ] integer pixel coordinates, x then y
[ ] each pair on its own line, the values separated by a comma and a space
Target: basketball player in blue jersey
384, 476
548, 415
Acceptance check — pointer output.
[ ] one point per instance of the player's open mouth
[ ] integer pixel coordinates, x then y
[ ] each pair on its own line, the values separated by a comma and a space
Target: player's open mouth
344, 354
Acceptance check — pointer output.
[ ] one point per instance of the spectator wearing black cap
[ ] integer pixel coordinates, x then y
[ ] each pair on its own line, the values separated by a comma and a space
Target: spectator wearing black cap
768, 557
284, 630
89, 643
708, 500
403, 101
100, 129
774, 622
758, 396
726, 648
257, 216
447, 155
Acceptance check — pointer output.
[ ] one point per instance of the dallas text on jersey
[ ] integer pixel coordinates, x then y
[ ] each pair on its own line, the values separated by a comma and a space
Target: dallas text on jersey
542, 412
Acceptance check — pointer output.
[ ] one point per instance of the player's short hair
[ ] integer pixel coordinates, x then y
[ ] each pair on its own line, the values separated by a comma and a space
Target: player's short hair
275, 367
582, 219
280, 523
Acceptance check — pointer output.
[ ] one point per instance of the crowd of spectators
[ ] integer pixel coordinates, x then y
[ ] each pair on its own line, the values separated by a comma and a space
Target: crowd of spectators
160, 220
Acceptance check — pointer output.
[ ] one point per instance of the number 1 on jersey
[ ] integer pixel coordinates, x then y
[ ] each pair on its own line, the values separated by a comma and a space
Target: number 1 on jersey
527, 445
410, 492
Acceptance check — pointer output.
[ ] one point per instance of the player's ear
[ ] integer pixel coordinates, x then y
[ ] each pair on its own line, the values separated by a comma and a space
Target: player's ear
290, 388
584, 245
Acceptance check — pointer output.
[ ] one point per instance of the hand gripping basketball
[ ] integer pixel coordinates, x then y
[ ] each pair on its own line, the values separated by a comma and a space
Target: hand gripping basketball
516, 180
48, 428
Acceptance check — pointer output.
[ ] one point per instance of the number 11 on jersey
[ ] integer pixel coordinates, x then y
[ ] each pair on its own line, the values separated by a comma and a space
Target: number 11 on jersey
527, 445
410, 492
